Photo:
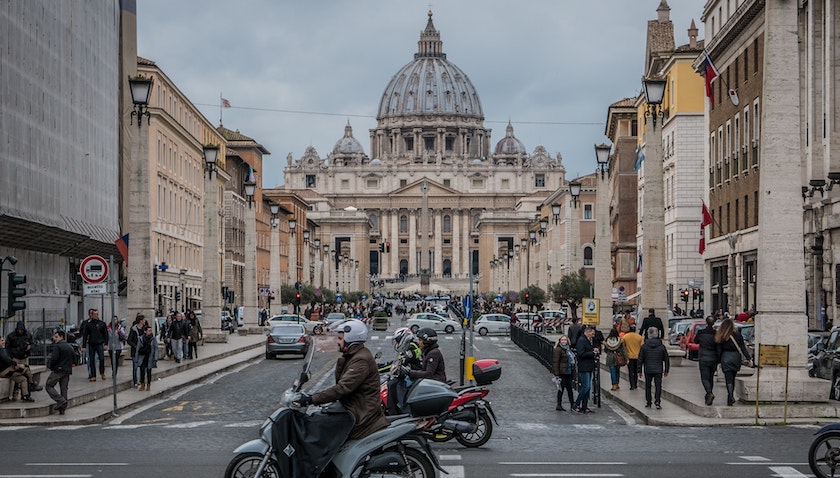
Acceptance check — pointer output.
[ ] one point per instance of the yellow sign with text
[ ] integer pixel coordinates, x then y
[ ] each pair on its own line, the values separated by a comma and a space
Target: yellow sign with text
591, 311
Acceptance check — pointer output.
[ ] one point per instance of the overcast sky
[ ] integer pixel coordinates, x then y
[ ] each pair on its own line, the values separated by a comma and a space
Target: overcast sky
296, 71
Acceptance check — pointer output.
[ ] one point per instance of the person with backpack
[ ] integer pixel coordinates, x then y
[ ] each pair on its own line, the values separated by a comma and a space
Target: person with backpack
146, 358
654, 364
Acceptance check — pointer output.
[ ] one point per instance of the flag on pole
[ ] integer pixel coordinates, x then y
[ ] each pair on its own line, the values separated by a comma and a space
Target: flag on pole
711, 74
225, 103
640, 156
122, 246
707, 219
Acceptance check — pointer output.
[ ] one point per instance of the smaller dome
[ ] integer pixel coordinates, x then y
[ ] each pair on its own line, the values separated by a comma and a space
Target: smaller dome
376, 161
509, 144
348, 144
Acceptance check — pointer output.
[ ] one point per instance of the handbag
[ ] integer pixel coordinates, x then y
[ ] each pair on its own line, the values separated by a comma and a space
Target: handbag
738, 347
620, 359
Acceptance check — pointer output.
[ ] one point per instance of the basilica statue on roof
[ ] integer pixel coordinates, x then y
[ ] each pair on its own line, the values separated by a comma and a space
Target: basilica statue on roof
430, 156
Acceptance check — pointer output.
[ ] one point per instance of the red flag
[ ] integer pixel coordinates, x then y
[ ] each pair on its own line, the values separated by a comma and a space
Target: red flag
702, 247
710, 74
707, 216
122, 246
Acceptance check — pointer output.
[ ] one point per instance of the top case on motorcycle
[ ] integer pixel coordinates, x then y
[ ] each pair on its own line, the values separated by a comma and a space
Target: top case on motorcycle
486, 371
305, 444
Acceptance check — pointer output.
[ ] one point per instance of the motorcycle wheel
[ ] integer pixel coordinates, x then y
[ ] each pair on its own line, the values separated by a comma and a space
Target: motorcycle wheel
419, 465
484, 428
824, 455
245, 466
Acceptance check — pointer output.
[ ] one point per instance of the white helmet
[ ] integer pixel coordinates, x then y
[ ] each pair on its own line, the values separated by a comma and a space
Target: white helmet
354, 331
401, 339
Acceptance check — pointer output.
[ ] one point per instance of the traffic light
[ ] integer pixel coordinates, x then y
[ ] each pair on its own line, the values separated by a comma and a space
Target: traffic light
684, 295
381, 247
15, 294
695, 293
527, 298
387, 247
297, 299
177, 295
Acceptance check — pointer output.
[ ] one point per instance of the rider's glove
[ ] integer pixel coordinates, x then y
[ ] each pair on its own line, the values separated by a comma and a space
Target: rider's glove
304, 400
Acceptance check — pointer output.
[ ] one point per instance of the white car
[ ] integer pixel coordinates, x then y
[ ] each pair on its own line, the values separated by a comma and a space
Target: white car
492, 324
311, 326
433, 321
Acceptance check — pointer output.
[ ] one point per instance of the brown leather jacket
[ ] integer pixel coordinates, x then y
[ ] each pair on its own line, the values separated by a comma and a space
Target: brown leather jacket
357, 388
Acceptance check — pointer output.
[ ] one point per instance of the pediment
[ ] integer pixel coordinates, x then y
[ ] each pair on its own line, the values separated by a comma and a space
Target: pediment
416, 189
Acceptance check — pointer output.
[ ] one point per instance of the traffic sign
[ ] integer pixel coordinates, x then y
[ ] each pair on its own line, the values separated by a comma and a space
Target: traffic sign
468, 306
94, 269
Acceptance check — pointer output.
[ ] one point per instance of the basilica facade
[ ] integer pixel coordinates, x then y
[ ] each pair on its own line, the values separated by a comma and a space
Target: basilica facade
434, 194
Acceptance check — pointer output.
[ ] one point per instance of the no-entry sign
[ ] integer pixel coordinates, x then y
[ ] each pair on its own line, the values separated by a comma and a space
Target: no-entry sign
94, 269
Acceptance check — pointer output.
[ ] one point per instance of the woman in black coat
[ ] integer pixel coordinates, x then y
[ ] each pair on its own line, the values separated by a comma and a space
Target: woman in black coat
731, 348
708, 357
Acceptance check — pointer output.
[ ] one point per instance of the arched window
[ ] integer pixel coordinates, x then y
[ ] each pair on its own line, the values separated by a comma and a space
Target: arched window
447, 223
447, 268
587, 256
403, 266
403, 224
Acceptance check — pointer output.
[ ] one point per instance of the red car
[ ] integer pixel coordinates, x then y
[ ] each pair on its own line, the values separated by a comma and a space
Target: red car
687, 340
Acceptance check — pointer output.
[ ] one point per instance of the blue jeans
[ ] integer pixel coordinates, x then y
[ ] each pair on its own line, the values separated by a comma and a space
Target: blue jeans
94, 351
614, 374
582, 400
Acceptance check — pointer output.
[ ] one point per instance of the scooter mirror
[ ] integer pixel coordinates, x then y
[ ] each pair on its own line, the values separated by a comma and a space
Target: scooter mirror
378, 354
304, 377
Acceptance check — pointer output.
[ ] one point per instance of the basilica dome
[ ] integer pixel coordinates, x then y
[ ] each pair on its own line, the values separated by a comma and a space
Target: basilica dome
430, 84
510, 144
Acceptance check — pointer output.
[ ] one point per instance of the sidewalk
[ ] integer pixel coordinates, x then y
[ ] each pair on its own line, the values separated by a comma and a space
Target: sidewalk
683, 401
93, 402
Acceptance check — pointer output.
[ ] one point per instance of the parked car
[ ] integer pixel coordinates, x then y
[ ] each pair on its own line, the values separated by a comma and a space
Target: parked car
434, 321
523, 319
552, 314
687, 340
334, 317
747, 331
677, 330
286, 338
311, 326
492, 324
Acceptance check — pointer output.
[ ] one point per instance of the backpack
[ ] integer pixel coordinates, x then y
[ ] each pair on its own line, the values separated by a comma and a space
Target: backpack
145, 347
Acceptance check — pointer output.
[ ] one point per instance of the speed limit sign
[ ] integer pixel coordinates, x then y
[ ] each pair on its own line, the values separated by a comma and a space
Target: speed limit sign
94, 269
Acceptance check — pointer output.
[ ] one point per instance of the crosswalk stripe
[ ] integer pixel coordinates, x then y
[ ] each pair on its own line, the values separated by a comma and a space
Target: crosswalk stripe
786, 472
188, 425
454, 471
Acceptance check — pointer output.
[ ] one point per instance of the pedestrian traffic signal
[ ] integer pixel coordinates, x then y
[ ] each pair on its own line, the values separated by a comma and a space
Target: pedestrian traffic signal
684, 295
15, 294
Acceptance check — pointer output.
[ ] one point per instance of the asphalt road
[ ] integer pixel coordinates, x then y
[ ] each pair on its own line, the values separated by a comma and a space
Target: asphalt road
193, 432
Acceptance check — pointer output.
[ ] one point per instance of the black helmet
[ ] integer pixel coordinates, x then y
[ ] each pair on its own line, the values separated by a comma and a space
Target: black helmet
427, 334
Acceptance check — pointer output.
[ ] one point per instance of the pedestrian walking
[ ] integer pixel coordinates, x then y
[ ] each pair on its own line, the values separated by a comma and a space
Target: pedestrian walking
176, 336
732, 347
586, 354
116, 343
60, 364
652, 321
134, 334
196, 335
574, 332
94, 335
616, 357
654, 363
164, 336
563, 367
147, 355
633, 343
708, 357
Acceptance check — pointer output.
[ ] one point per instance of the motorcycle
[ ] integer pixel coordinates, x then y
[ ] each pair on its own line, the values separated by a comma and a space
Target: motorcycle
824, 454
294, 443
469, 418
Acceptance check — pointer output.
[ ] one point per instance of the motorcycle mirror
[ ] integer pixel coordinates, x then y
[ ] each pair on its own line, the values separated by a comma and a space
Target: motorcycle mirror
378, 354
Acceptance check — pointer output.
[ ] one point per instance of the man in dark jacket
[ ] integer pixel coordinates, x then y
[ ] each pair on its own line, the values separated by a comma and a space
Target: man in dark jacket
19, 344
356, 381
652, 321
574, 332
177, 333
13, 371
586, 354
60, 363
433, 365
708, 356
654, 363
94, 336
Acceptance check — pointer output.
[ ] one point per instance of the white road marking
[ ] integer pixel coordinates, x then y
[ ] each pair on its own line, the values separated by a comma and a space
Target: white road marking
449, 457
454, 471
70, 427
188, 425
46, 476
786, 472
251, 424
126, 427
566, 474
767, 464
76, 464
561, 463
754, 458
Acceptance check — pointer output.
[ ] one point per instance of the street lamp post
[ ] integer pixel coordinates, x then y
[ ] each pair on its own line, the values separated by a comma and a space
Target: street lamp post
653, 292
140, 298
307, 278
274, 262
319, 264
603, 269
292, 272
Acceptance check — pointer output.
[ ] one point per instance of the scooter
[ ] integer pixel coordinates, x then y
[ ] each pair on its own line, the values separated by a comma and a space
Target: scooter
294, 443
468, 417
824, 454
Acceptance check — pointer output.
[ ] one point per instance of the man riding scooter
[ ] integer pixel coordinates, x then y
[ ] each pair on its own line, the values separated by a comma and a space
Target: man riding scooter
408, 355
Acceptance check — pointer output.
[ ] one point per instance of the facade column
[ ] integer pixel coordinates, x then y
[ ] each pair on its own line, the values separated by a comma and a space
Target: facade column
249, 276
438, 242
211, 281
307, 249
455, 223
395, 243
291, 273
653, 293
139, 269
412, 242
603, 268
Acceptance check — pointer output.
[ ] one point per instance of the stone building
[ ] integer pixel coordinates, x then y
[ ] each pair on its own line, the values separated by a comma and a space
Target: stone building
429, 151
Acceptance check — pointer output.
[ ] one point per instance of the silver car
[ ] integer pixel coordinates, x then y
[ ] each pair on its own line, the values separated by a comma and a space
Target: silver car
492, 324
311, 326
433, 321
286, 339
